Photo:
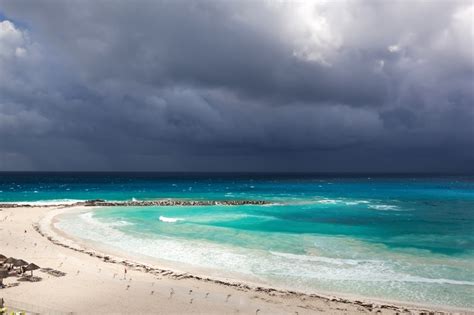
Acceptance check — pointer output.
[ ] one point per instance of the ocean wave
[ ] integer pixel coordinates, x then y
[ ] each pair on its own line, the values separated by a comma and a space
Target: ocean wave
120, 223
385, 207
356, 202
169, 220
328, 201
272, 204
343, 269
410, 278
88, 227
334, 261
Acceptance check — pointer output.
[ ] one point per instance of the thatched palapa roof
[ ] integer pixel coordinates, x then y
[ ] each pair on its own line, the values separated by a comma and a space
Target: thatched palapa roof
31, 267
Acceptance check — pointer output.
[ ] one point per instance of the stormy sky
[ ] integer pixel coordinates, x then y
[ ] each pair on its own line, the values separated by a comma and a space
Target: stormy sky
298, 86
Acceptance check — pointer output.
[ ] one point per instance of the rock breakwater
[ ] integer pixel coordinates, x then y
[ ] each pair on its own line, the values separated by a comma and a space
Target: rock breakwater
141, 203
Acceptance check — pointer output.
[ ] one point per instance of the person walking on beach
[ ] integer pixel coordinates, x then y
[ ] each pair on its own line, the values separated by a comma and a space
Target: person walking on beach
125, 273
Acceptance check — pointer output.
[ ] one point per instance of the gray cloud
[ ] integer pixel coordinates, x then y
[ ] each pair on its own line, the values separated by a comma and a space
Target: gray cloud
240, 85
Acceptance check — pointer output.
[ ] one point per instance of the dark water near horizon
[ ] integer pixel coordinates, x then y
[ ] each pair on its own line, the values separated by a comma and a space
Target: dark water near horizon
404, 237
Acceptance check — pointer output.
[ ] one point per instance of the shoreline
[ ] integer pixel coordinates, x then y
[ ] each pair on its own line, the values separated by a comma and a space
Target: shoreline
110, 256
256, 297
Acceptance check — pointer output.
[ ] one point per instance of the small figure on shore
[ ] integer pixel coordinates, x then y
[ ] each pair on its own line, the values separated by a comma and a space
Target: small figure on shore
171, 293
207, 294
191, 301
124, 273
190, 291
228, 296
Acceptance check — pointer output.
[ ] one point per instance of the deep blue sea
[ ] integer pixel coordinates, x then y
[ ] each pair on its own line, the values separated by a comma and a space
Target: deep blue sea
408, 238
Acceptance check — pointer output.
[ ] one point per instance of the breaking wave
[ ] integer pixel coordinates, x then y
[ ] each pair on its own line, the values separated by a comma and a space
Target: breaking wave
169, 220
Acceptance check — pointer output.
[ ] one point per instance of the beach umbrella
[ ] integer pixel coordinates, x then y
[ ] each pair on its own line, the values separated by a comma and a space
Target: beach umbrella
32, 267
9, 260
19, 263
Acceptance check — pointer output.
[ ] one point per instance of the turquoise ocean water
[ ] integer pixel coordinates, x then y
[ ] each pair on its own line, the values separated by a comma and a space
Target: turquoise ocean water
408, 238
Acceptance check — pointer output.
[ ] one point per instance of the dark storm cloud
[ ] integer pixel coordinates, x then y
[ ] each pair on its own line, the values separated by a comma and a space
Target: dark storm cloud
236, 85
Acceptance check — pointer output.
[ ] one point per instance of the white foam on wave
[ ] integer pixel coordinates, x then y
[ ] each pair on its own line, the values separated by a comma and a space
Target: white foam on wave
385, 207
334, 261
349, 202
169, 220
356, 202
328, 201
342, 269
272, 204
87, 227
120, 223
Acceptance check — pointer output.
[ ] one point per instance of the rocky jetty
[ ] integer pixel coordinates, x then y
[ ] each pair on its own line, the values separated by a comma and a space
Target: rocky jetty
142, 203
172, 202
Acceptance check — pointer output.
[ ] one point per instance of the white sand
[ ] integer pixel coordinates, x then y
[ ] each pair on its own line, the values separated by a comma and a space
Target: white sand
92, 285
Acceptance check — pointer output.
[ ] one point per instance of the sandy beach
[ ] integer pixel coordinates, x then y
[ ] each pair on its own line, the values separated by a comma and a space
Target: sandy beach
94, 281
